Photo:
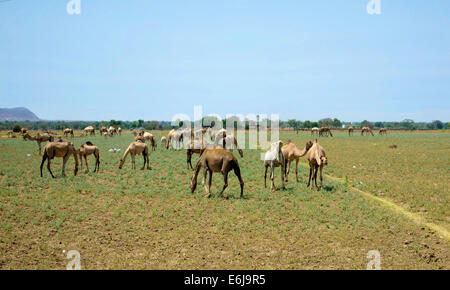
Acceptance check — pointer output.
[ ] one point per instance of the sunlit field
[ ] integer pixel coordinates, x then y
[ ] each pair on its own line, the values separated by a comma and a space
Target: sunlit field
149, 219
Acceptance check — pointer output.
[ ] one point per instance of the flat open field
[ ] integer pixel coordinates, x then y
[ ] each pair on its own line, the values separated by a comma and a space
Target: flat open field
126, 219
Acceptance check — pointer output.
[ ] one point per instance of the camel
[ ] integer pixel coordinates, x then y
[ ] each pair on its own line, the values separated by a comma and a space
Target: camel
176, 137
216, 160
317, 159
86, 150
68, 131
119, 131
350, 131
11, 134
163, 141
89, 130
383, 131
275, 158
314, 130
136, 147
325, 131
291, 153
23, 131
61, 149
39, 139
103, 129
112, 131
366, 130
145, 136
134, 132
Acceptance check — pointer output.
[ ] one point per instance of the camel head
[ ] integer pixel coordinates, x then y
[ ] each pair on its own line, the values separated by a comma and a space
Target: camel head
193, 183
324, 160
241, 153
89, 143
121, 163
308, 145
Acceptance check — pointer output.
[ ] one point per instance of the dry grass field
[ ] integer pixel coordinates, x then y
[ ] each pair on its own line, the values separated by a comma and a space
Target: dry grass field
126, 219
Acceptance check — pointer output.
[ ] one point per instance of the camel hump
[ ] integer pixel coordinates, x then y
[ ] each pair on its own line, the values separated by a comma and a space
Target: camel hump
89, 143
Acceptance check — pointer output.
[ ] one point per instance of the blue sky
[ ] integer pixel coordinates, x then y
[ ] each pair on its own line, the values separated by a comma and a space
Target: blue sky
152, 59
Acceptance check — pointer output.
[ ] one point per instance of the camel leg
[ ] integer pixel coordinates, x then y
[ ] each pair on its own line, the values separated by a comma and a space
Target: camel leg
63, 170
210, 180
145, 161
225, 182
237, 171
133, 161
265, 176
39, 145
315, 176
310, 174
43, 160
283, 176
296, 170
148, 162
85, 160
97, 162
272, 187
205, 173
321, 177
188, 158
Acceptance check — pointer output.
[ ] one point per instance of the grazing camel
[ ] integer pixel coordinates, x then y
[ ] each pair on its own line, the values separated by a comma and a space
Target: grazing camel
314, 130
89, 130
68, 131
119, 131
383, 131
317, 159
325, 131
228, 142
163, 141
291, 153
275, 158
195, 146
39, 139
61, 149
216, 160
112, 131
350, 131
136, 147
145, 136
176, 137
366, 130
86, 150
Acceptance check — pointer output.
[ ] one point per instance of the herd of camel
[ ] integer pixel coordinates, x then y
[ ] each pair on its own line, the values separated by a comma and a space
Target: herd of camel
214, 147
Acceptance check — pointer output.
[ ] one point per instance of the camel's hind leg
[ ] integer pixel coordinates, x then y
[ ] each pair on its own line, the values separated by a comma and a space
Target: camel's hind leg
85, 160
265, 176
321, 177
43, 161
133, 161
310, 174
145, 160
63, 169
225, 182
272, 176
315, 176
237, 171
205, 186
97, 162
296, 170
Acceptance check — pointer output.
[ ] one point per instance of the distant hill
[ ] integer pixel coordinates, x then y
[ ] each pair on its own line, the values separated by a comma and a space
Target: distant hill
17, 114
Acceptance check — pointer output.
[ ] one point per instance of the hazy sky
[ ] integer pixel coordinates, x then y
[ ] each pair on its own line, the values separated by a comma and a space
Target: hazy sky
152, 59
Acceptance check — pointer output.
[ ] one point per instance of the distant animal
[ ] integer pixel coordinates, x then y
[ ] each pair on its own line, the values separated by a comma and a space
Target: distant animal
119, 131
163, 141
68, 131
89, 130
175, 139
146, 136
11, 134
39, 139
324, 131
317, 159
393, 146
23, 130
275, 158
61, 149
216, 160
350, 130
366, 130
86, 150
383, 131
136, 147
315, 131
291, 153
195, 146
114, 150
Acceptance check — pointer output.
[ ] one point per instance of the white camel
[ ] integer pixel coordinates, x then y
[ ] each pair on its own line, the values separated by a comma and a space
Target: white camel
275, 158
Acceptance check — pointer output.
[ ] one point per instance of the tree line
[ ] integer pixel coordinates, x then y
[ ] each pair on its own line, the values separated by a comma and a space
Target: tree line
292, 124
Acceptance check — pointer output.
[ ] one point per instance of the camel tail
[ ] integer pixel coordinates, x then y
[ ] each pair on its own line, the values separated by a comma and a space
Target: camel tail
44, 157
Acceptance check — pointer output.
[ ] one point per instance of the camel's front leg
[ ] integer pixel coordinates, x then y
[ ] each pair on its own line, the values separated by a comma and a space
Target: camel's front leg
272, 187
265, 176
296, 170
85, 160
49, 169
39, 146
63, 170
205, 186
310, 174
321, 177
315, 176
133, 161
283, 176
225, 182
145, 161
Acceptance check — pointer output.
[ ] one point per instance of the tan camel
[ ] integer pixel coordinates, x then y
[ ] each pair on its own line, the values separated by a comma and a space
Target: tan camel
86, 150
383, 131
366, 130
136, 147
103, 129
89, 130
68, 131
112, 131
317, 159
23, 131
291, 153
146, 136
325, 131
275, 158
176, 137
39, 139
315, 131
216, 160
163, 141
59, 149
350, 130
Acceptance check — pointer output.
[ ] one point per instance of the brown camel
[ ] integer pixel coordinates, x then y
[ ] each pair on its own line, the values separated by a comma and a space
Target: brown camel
383, 131
325, 131
350, 130
68, 131
317, 159
39, 139
136, 147
145, 136
366, 130
62, 150
291, 153
216, 160
86, 150
89, 130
